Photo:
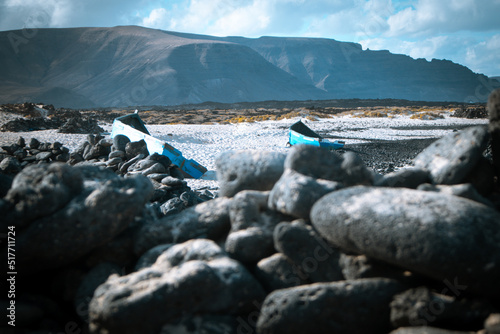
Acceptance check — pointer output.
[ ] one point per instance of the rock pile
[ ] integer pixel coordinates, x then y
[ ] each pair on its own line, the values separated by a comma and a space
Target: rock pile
171, 193
19, 155
335, 247
477, 111
31, 117
77, 124
81, 125
308, 242
31, 124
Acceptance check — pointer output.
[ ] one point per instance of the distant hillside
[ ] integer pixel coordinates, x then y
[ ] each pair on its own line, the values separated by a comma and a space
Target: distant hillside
123, 66
344, 70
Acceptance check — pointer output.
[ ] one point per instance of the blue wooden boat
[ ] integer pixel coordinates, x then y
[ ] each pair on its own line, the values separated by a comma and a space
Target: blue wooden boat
302, 134
132, 127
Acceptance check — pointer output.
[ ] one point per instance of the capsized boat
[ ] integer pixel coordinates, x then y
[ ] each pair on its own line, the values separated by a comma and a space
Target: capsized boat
132, 127
302, 134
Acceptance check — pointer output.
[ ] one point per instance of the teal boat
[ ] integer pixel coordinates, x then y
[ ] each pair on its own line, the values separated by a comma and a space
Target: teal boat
302, 134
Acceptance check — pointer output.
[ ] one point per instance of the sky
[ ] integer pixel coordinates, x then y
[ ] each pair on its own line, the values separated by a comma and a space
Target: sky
463, 31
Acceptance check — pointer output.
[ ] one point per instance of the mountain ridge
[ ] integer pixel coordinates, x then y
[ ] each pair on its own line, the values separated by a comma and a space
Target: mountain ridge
131, 65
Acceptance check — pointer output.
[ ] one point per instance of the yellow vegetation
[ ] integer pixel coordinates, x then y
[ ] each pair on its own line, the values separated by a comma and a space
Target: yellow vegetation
426, 115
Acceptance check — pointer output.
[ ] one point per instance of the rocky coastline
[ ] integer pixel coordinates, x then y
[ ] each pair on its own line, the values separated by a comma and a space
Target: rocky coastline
110, 239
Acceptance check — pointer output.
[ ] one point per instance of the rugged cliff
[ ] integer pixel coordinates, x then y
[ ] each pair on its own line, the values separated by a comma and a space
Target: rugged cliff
124, 66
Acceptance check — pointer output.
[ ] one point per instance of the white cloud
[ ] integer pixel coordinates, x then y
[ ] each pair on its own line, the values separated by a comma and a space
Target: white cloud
159, 17
433, 17
249, 20
483, 56
195, 16
354, 20
18, 14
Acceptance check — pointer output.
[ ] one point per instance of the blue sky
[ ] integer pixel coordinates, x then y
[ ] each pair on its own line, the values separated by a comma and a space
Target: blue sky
464, 31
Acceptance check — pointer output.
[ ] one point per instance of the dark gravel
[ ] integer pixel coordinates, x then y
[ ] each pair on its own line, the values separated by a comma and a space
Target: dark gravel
387, 155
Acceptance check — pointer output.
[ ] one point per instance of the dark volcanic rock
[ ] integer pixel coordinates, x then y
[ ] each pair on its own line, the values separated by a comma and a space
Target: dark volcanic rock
5, 184
31, 124
250, 245
462, 190
406, 178
248, 170
494, 127
132, 149
321, 163
54, 235
120, 142
195, 277
252, 226
308, 251
482, 177
147, 259
10, 166
119, 250
360, 266
417, 230
206, 220
81, 125
294, 194
41, 190
451, 158
95, 277
360, 306
471, 112
278, 272
423, 307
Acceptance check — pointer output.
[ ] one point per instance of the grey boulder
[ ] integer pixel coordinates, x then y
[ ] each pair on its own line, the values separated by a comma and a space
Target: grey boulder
448, 238
248, 170
100, 212
208, 220
360, 306
405, 178
360, 266
252, 226
40, 190
321, 163
294, 194
135, 148
451, 158
278, 272
317, 260
193, 278
465, 190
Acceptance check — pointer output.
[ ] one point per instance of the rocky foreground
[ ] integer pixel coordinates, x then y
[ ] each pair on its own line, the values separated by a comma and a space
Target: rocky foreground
109, 239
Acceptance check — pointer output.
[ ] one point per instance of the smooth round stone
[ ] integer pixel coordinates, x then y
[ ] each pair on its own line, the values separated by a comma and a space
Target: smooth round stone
448, 238
451, 158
